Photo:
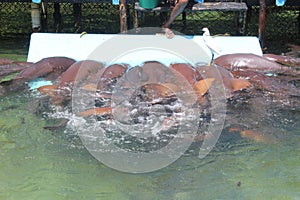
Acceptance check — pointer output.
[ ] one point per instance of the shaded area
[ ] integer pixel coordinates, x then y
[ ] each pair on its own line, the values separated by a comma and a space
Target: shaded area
14, 47
37, 163
282, 22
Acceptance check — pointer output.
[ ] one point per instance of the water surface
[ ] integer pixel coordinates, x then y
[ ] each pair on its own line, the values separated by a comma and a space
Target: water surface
41, 164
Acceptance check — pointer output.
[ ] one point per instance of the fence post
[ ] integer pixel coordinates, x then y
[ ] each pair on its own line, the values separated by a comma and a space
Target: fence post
123, 16
44, 20
262, 22
299, 20
77, 16
35, 17
57, 18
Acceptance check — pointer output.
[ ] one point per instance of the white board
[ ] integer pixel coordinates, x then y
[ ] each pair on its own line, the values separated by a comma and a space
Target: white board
135, 49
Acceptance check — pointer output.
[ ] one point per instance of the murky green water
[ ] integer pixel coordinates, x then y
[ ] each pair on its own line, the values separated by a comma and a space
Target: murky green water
40, 164
14, 47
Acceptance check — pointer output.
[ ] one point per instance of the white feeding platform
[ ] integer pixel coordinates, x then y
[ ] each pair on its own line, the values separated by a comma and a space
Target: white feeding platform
135, 49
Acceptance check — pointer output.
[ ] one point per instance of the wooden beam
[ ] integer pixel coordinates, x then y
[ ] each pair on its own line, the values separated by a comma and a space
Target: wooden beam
262, 22
35, 17
57, 18
44, 18
123, 16
77, 16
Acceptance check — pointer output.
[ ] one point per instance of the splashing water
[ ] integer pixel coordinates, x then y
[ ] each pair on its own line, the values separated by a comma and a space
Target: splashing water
37, 163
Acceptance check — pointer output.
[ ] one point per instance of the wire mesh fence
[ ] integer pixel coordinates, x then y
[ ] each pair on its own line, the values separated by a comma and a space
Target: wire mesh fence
282, 25
15, 18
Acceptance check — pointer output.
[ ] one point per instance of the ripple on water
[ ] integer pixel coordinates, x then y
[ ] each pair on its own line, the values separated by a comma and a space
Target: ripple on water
40, 164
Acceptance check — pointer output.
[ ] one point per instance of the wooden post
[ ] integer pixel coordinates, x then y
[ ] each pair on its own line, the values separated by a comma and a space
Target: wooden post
299, 20
77, 16
57, 18
241, 22
35, 17
262, 22
44, 19
184, 20
136, 22
123, 16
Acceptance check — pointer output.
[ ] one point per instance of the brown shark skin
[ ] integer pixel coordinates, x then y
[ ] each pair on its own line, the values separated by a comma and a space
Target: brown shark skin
284, 60
7, 69
5, 61
49, 68
45, 67
187, 71
109, 76
79, 71
25, 64
155, 72
10, 68
266, 83
158, 81
251, 61
136, 75
223, 77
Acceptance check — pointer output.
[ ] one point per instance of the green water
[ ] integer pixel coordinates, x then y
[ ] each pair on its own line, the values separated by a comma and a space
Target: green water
40, 164
14, 47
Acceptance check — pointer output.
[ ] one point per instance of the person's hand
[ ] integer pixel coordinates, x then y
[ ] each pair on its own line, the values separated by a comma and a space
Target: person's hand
168, 33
